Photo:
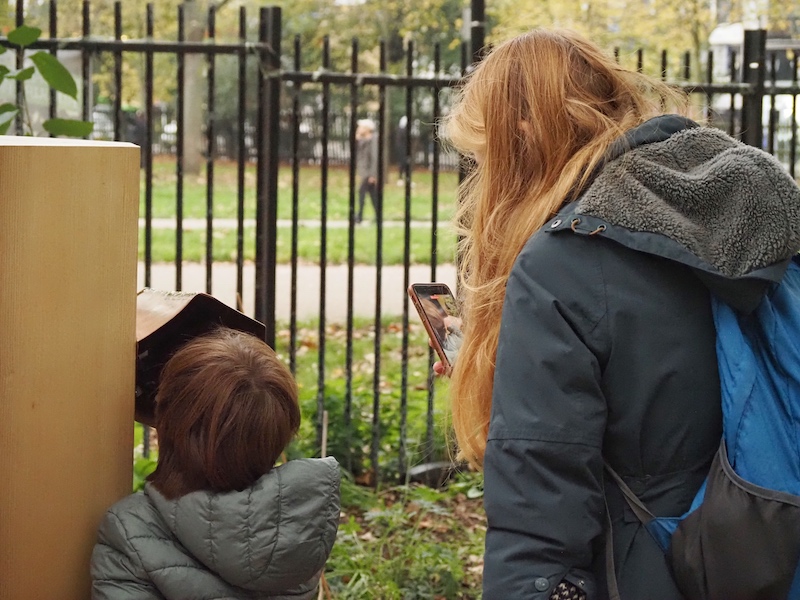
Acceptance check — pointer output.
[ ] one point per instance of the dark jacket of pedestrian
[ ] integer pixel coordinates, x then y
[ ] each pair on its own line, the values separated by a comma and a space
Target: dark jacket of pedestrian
367, 167
366, 150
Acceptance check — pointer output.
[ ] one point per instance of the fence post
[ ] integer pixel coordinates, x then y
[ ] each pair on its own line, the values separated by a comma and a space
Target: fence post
754, 60
267, 170
477, 29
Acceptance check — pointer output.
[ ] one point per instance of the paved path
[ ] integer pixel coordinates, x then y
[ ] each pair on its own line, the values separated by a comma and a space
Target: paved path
223, 278
393, 290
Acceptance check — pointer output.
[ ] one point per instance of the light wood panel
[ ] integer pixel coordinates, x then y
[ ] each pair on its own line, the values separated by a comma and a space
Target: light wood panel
68, 236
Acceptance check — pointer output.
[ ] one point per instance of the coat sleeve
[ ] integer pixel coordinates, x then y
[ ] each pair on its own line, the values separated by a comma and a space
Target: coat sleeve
117, 572
543, 465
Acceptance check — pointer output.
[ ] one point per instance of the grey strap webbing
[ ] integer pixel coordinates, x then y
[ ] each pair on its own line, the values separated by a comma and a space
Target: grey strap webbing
639, 509
641, 512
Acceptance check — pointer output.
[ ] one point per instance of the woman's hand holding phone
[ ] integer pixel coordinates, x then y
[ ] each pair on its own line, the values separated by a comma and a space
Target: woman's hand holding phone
437, 308
440, 370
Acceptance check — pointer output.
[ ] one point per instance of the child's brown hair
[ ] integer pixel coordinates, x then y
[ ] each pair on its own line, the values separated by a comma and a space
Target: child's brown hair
226, 408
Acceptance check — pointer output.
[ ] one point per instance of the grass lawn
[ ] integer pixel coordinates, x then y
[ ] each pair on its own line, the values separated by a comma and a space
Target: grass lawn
309, 242
410, 542
309, 207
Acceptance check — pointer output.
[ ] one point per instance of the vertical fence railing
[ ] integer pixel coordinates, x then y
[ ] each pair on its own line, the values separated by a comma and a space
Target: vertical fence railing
378, 333
267, 173
86, 63
147, 150
354, 88
53, 18
351, 241
428, 453
323, 241
297, 86
180, 105
117, 101
793, 142
241, 154
752, 79
91, 45
19, 58
753, 74
709, 108
210, 154
410, 116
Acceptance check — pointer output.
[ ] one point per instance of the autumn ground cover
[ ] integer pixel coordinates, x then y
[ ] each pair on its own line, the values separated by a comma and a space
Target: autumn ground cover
399, 540
410, 542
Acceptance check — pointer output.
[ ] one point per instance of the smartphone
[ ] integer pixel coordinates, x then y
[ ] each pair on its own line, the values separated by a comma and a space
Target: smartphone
438, 310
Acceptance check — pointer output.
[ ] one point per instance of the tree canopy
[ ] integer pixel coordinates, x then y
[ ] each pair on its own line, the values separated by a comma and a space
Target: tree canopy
627, 25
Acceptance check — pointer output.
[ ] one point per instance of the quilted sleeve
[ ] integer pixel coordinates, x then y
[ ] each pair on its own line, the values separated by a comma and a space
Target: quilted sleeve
117, 572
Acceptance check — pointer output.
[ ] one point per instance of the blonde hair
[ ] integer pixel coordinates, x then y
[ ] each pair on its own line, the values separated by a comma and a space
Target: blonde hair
538, 114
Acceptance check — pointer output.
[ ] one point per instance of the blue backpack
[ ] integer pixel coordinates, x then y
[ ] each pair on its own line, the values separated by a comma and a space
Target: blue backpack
740, 540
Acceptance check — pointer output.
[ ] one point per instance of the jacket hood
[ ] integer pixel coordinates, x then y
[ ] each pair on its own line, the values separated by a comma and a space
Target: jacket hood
268, 538
695, 195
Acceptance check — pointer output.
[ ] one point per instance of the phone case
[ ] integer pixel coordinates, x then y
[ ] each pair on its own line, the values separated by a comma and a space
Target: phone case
436, 337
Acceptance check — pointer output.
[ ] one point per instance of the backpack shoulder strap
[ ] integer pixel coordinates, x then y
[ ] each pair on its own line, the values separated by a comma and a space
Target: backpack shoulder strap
638, 508
641, 512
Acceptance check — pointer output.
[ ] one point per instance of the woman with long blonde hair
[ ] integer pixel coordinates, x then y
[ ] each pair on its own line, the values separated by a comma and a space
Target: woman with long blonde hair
595, 225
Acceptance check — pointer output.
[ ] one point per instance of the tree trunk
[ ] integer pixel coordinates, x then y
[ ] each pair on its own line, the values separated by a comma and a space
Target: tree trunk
194, 93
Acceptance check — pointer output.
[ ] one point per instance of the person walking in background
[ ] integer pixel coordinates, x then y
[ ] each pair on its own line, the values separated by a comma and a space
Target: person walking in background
217, 519
367, 167
401, 147
597, 223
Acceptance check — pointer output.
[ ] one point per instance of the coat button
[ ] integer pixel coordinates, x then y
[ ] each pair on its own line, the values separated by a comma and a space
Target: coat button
541, 584
555, 223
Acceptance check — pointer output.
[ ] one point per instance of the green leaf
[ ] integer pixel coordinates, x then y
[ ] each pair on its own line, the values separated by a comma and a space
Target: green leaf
68, 127
55, 74
24, 36
7, 113
144, 466
475, 492
2, 49
22, 74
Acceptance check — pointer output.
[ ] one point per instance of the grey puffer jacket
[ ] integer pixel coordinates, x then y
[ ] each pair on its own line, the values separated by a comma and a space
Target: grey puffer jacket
268, 541
607, 352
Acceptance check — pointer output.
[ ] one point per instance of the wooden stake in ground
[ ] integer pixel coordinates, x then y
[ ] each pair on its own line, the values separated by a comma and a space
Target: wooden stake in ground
324, 588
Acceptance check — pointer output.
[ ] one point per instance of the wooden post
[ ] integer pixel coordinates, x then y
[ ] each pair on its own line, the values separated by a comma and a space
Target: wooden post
68, 238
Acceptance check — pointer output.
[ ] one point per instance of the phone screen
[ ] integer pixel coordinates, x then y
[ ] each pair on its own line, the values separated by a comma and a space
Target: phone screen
438, 310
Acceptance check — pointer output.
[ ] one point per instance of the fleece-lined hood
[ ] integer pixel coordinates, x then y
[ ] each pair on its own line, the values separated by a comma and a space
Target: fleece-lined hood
695, 195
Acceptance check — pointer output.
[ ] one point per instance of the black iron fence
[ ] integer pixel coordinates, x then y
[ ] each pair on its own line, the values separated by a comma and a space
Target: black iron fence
279, 124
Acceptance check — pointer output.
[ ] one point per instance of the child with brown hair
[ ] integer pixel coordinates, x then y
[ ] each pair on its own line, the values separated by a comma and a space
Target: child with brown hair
217, 519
